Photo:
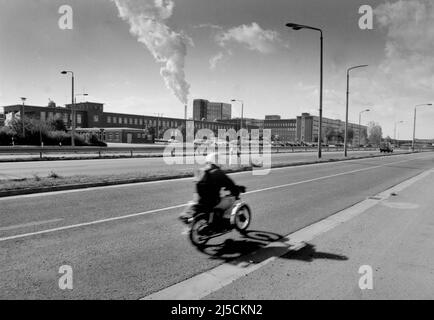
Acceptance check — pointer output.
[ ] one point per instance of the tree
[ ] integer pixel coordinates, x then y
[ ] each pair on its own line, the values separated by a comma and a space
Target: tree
340, 134
363, 136
375, 133
350, 135
330, 134
51, 103
58, 125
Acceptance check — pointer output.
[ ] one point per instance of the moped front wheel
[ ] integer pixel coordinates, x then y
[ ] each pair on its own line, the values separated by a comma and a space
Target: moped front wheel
242, 219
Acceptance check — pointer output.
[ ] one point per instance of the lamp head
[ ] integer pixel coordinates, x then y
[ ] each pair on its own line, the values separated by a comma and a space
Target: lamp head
64, 72
294, 26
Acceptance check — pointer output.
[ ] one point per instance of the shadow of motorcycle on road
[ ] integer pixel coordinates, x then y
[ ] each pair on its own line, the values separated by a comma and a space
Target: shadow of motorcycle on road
257, 246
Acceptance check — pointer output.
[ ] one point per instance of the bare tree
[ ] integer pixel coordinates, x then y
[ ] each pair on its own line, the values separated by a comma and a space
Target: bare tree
375, 133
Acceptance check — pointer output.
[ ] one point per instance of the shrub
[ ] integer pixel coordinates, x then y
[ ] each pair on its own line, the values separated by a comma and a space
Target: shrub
36, 130
6, 135
94, 141
53, 175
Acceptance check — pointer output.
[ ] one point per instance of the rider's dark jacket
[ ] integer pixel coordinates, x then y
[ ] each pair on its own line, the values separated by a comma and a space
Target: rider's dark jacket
209, 186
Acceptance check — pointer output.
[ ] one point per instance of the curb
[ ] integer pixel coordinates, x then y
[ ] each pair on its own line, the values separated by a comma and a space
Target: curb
4, 194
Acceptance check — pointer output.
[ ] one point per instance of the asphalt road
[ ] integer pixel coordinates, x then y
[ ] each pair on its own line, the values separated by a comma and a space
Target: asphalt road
124, 242
394, 239
14, 170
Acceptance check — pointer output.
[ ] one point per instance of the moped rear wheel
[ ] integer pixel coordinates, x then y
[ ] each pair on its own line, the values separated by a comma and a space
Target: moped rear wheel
242, 220
198, 231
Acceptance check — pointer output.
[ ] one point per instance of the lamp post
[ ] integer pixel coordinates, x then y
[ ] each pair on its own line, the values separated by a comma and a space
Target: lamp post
414, 123
242, 111
22, 116
296, 27
360, 120
72, 108
158, 123
394, 130
346, 112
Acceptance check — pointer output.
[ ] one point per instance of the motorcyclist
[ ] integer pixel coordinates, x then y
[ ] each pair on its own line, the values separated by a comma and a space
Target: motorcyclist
209, 186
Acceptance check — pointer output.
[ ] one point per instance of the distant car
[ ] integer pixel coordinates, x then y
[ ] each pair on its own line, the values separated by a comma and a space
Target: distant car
386, 147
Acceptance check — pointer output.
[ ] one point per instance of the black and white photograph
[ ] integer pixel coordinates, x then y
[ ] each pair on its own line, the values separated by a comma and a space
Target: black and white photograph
216, 155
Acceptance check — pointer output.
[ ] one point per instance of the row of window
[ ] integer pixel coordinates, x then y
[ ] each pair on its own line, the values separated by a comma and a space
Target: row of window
141, 121
281, 125
64, 116
212, 126
113, 136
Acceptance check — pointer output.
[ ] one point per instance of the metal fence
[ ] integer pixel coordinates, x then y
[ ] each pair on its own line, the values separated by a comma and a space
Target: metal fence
152, 150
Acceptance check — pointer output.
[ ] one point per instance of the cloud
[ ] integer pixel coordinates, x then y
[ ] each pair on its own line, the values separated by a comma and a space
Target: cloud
251, 36
409, 45
215, 59
147, 20
209, 25
404, 76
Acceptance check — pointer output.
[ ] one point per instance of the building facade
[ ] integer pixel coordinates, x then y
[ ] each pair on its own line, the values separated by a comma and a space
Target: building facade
332, 130
110, 126
116, 135
282, 129
46, 114
91, 116
2, 119
211, 111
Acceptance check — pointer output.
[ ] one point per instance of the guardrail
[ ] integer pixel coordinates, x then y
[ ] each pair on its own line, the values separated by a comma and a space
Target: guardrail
146, 150
41, 151
149, 150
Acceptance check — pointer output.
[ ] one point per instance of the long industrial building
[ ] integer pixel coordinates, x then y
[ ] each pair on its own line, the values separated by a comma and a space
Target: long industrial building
132, 128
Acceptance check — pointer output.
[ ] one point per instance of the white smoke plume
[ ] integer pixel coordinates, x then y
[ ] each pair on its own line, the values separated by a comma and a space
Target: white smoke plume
147, 20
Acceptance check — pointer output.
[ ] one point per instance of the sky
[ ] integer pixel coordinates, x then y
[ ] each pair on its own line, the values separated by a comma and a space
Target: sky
155, 56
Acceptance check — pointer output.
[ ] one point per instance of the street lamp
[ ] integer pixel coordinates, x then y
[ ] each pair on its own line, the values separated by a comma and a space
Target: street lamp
22, 116
394, 130
79, 95
360, 120
242, 110
346, 112
296, 27
414, 124
72, 108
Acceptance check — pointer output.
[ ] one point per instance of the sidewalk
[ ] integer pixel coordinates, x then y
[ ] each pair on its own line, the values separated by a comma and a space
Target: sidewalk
395, 237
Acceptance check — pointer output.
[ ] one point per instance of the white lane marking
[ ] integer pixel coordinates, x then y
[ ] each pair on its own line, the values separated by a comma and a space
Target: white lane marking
322, 178
29, 224
78, 225
182, 205
138, 184
202, 285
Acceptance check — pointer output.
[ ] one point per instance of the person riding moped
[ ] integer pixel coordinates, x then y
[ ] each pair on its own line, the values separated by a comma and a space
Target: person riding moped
208, 191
